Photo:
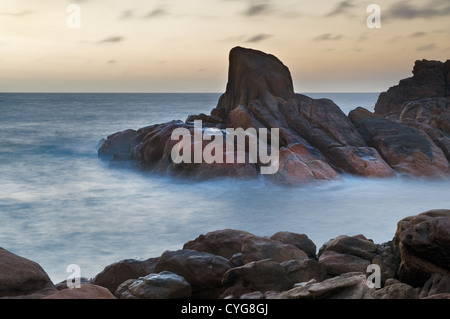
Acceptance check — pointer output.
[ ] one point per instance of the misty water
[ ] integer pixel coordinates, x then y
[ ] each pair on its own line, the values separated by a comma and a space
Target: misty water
60, 204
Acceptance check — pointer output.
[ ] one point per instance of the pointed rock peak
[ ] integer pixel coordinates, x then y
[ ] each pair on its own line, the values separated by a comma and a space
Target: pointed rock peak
253, 73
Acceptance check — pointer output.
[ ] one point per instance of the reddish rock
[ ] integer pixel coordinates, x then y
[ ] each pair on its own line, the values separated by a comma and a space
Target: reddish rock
437, 284
22, 278
406, 149
86, 291
115, 274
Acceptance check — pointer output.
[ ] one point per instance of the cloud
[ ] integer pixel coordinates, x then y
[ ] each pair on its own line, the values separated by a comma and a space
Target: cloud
427, 47
328, 37
418, 34
342, 8
111, 62
17, 14
433, 9
127, 14
155, 13
257, 9
259, 38
112, 39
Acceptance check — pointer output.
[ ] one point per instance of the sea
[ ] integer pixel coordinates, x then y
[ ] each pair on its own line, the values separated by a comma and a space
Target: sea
60, 204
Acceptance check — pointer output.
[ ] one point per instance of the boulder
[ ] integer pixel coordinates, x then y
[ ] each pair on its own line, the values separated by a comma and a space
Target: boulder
263, 275
337, 263
351, 285
115, 274
396, 291
203, 271
301, 241
223, 243
388, 262
256, 248
164, 285
304, 270
437, 284
86, 291
357, 245
22, 278
422, 243
406, 149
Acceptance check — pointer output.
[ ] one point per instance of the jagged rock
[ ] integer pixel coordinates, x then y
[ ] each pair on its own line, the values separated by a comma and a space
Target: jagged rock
22, 278
115, 274
430, 79
422, 243
388, 262
164, 285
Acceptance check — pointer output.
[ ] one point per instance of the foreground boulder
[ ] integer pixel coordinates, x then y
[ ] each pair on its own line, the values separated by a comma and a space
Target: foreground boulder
422, 243
86, 291
23, 278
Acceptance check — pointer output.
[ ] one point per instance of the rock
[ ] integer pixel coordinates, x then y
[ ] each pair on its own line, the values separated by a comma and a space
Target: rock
391, 281
346, 286
263, 275
118, 146
223, 243
430, 79
115, 274
357, 245
337, 263
396, 291
406, 149
422, 243
388, 262
63, 284
304, 270
439, 296
257, 248
437, 284
301, 241
22, 278
164, 285
360, 113
253, 295
86, 291
203, 271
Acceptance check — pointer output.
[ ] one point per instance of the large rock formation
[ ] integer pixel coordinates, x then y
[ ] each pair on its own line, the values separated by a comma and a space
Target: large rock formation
317, 141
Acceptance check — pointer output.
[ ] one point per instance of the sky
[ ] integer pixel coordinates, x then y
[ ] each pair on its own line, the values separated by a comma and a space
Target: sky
183, 45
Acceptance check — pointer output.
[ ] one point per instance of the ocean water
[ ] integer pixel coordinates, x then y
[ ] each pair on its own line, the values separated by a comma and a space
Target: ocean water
60, 204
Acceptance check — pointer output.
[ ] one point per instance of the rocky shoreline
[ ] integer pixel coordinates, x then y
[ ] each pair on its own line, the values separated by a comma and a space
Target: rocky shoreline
235, 264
